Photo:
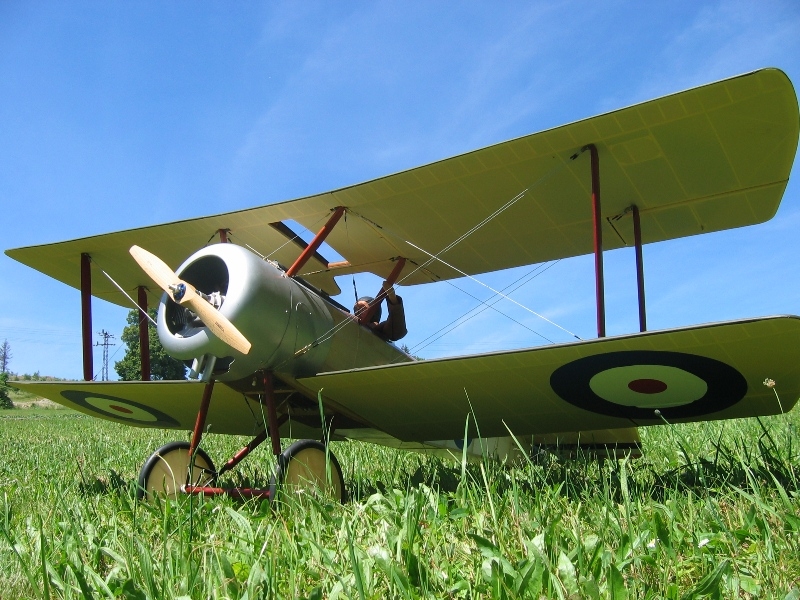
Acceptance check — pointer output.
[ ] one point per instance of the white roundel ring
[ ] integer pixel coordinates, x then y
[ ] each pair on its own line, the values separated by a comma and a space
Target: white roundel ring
119, 409
635, 384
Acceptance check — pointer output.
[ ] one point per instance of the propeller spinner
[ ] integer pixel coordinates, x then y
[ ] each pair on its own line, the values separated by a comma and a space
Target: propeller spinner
185, 294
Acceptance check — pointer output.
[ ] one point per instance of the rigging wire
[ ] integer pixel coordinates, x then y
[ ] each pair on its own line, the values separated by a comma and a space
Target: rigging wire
119, 287
528, 277
248, 246
433, 257
498, 293
296, 236
475, 228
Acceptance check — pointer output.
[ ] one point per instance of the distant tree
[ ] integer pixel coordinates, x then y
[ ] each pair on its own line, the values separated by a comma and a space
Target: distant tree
162, 365
5, 356
5, 399
407, 350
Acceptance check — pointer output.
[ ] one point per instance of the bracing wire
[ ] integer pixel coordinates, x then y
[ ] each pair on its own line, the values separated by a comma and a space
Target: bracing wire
485, 305
119, 287
286, 243
248, 246
433, 257
496, 292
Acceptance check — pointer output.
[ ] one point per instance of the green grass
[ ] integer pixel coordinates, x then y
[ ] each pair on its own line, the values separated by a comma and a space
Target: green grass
713, 510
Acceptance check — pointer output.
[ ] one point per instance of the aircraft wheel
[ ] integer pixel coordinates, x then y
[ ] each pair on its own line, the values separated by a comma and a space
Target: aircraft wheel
167, 470
302, 468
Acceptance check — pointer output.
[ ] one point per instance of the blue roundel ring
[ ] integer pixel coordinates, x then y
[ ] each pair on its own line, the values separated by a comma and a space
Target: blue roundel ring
120, 409
459, 442
724, 386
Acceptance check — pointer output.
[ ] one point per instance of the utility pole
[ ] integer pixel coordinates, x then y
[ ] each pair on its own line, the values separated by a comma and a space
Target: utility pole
105, 344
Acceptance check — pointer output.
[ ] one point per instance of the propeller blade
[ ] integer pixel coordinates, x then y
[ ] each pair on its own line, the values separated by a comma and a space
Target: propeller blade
169, 281
155, 268
215, 321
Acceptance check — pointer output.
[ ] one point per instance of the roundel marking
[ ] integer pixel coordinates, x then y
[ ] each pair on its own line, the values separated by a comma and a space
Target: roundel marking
459, 442
635, 383
120, 409
648, 386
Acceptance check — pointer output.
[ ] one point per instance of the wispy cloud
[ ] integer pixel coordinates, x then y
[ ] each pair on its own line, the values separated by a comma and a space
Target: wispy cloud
724, 38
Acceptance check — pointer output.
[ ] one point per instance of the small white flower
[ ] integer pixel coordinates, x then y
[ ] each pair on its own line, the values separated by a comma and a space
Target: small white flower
770, 383
378, 552
703, 542
652, 543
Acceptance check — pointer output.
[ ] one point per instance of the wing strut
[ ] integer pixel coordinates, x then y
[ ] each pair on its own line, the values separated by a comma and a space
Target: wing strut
598, 243
637, 237
144, 334
598, 249
316, 242
86, 316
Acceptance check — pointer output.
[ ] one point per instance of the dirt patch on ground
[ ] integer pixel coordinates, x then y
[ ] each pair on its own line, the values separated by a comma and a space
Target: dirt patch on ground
38, 403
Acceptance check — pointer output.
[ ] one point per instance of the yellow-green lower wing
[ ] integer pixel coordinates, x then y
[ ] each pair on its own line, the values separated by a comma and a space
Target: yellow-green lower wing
698, 373
155, 404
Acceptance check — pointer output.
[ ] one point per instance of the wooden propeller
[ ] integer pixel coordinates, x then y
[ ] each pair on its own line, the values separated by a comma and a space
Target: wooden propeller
186, 294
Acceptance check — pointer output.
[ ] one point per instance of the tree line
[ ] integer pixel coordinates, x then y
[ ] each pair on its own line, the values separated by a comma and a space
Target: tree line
5, 358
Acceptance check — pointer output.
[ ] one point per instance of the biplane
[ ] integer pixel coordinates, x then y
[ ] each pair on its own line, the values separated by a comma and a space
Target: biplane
272, 355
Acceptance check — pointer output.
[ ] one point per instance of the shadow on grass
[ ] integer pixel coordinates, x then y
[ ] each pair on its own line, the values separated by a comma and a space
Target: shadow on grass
756, 467
113, 484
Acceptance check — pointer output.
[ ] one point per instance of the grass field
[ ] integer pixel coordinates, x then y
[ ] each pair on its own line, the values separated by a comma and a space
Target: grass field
711, 511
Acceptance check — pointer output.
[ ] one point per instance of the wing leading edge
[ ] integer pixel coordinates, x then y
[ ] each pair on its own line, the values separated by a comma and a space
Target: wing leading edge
163, 405
706, 159
701, 373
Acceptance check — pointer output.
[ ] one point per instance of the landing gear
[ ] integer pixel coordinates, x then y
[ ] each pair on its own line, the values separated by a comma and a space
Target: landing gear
306, 466
167, 471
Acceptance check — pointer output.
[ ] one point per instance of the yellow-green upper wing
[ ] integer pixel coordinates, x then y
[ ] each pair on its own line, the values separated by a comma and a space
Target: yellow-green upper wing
702, 160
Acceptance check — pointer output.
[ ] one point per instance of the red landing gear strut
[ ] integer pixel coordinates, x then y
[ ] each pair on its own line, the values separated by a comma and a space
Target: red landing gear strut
272, 431
307, 466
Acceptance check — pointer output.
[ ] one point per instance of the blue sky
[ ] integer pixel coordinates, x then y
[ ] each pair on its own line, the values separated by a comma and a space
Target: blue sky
120, 115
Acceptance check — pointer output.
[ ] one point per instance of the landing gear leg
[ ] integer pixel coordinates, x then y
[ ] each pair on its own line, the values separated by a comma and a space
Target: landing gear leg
306, 466
177, 465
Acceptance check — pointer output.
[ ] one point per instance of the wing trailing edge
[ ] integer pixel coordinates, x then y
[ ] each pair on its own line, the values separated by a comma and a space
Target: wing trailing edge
707, 159
700, 373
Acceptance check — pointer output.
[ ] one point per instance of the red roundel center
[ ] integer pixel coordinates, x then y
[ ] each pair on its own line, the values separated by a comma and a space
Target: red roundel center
122, 409
647, 386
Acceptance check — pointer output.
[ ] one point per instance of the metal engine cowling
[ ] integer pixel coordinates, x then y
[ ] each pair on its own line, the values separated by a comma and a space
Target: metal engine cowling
276, 314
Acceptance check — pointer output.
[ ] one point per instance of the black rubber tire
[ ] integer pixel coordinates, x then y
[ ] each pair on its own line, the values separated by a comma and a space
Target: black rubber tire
167, 470
302, 466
